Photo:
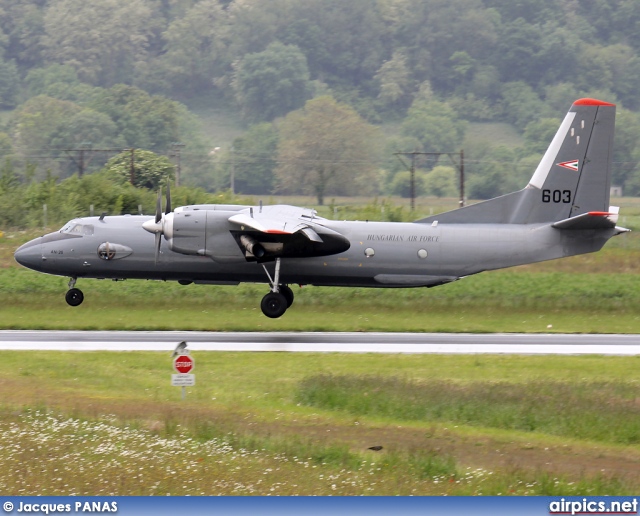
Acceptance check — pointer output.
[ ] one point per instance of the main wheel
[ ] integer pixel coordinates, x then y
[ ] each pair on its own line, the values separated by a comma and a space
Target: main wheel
74, 296
286, 291
274, 305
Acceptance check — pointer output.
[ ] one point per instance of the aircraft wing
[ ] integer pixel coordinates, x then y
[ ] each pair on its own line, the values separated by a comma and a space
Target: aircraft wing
278, 220
286, 231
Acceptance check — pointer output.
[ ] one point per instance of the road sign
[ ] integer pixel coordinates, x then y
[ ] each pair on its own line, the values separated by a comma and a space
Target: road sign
183, 364
183, 380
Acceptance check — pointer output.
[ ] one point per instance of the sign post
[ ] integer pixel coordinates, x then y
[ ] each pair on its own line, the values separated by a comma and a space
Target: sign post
183, 364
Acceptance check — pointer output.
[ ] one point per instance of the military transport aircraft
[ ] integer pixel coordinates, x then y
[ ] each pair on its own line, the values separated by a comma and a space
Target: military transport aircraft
563, 211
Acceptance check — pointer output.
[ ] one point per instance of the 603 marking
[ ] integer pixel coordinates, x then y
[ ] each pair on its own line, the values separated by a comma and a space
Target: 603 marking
558, 196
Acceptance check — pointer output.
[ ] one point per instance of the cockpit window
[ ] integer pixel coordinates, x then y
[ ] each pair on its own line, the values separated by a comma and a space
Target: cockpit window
73, 228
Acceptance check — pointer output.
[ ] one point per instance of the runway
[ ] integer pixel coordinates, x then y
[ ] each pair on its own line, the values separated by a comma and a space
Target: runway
444, 343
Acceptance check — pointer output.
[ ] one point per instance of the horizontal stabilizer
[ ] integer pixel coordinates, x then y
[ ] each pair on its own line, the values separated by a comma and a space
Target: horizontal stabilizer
590, 220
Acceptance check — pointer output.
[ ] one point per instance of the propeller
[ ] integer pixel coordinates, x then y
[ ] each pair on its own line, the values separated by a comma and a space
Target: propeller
167, 208
157, 226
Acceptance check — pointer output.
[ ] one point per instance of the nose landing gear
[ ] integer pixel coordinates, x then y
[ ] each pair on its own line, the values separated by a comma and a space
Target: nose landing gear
74, 296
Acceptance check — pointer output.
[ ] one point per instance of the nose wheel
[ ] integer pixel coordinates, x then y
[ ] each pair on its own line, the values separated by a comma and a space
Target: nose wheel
276, 302
74, 296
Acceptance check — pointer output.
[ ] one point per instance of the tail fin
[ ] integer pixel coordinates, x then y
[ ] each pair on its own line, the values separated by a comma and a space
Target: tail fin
572, 178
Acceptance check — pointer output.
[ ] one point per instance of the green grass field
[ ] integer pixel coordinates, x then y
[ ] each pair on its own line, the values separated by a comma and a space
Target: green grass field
103, 423
509, 301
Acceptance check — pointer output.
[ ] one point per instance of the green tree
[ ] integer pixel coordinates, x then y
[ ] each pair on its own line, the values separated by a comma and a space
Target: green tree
395, 80
520, 104
556, 57
395, 144
517, 51
326, 147
37, 119
441, 182
432, 32
38, 80
559, 97
60, 82
496, 175
195, 52
344, 42
525, 168
21, 29
103, 40
254, 159
143, 120
401, 184
626, 150
149, 169
271, 83
86, 127
435, 125
9, 84
46, 126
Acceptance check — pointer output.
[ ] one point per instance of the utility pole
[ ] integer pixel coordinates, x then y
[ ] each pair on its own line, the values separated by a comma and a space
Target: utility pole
132, 171
85, 152
461, 177
80, 162
176, 148
232, 179
412, 170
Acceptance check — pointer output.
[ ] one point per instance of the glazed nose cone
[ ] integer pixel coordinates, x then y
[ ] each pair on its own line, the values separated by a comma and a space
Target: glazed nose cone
29, 254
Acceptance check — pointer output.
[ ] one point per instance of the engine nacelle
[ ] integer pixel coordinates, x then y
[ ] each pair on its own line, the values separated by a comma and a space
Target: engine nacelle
202, 233
186, 232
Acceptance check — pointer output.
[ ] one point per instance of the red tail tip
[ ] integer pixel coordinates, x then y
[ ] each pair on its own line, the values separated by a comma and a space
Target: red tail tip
591, 102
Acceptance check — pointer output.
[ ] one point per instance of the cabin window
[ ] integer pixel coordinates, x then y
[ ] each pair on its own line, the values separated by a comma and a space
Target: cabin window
73, 228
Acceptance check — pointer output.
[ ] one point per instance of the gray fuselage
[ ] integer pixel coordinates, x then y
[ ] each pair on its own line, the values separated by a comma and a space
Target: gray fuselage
381, 254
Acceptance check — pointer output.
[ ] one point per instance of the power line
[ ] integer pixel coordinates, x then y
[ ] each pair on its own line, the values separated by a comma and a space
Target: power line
412, 170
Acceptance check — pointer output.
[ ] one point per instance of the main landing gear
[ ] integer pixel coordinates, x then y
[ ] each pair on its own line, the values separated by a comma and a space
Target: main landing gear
276, 302
74, 296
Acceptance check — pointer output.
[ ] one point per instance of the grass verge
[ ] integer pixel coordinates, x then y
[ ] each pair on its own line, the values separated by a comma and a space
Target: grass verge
110, 424
502, 301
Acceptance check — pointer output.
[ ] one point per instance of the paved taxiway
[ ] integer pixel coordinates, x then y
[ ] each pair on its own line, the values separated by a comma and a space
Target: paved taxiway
448, 343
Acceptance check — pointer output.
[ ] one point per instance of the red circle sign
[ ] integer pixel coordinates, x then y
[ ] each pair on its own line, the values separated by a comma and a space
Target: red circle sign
183, 364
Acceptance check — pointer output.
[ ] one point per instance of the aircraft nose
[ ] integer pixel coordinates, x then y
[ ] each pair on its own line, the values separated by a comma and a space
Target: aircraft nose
30, 254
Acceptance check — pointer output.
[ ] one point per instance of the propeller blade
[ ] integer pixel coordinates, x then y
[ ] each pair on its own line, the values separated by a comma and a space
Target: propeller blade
167, 208
158, 243
159, 206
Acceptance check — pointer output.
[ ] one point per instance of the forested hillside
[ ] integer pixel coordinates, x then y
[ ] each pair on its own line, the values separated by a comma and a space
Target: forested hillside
323, 91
